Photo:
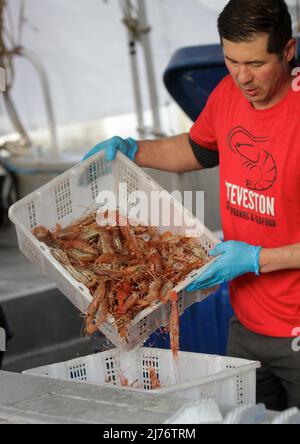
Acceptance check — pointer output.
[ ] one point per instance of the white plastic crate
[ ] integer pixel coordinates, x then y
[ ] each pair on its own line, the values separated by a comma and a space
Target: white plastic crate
229, 381
73, 194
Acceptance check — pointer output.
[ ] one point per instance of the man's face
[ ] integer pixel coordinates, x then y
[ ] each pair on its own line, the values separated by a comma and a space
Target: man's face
263, 78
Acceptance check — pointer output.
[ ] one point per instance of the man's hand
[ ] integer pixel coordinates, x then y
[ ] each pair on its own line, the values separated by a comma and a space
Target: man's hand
128, 147
235, 259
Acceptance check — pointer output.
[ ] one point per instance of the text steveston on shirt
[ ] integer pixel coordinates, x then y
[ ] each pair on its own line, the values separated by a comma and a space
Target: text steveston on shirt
250, 205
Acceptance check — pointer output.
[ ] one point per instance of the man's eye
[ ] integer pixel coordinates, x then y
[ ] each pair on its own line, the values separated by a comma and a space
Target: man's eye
257, 65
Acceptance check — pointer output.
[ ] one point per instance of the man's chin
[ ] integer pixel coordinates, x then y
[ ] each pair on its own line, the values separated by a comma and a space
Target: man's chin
253, 99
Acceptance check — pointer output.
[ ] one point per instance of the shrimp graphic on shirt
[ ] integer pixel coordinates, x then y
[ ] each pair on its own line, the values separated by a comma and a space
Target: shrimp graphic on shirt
259, 164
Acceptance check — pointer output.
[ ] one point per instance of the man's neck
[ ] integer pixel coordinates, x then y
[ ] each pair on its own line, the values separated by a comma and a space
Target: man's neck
281, 94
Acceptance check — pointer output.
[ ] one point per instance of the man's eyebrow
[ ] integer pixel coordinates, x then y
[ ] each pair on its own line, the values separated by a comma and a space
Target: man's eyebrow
246, 63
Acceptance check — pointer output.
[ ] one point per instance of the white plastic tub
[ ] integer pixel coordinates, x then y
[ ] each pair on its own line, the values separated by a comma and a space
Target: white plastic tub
229, 381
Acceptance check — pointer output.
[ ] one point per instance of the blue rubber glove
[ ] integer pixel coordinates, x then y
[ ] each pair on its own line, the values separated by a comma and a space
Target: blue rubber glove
128, 147
235, 259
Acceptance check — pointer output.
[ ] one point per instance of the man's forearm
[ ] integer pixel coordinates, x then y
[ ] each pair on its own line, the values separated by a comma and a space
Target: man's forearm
282, 258
172, 154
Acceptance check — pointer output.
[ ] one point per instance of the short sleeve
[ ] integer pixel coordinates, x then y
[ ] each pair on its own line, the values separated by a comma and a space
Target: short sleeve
203, 132
206, 158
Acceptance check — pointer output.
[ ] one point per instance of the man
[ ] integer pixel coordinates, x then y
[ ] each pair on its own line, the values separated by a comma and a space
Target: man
250, 127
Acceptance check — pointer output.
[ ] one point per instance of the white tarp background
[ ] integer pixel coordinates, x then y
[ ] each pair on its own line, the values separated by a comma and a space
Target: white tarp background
83, 45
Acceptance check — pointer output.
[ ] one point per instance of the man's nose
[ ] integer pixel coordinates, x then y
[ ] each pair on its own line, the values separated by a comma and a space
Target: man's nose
244, 75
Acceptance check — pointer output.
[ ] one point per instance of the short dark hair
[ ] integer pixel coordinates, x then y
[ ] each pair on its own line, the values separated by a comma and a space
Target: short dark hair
242, 20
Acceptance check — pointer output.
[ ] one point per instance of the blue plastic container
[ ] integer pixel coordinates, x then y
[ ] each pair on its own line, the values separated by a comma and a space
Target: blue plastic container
192, 74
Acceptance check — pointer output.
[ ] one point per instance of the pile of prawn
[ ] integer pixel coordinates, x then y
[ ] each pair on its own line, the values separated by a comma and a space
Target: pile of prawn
126, 267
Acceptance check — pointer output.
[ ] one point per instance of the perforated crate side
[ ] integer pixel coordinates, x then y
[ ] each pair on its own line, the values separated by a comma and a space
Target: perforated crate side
77, 293
241, 390
126, 173
56, 371
149, 360
209, 390
147, 323
32, 215
109, 329
132, 340
137, 334
77, 372
112, 370
207, 242
97, 169
119, 368
73, 193
62, 199
237, 390
30, 250
245, 388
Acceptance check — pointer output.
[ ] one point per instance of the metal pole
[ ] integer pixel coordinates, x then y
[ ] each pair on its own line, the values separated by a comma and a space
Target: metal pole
47, 96
145, 41
133, 65
15, 120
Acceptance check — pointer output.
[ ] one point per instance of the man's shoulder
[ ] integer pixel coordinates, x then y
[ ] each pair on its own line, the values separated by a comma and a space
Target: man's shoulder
225, 86
226, 82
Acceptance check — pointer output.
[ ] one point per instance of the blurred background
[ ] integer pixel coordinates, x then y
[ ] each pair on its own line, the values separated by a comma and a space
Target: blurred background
83, 47
79, 72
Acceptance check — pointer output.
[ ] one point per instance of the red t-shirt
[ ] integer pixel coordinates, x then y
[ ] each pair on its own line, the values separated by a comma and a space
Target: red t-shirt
259, 154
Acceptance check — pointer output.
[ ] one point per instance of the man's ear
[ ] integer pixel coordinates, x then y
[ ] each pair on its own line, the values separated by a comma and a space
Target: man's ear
290, 50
